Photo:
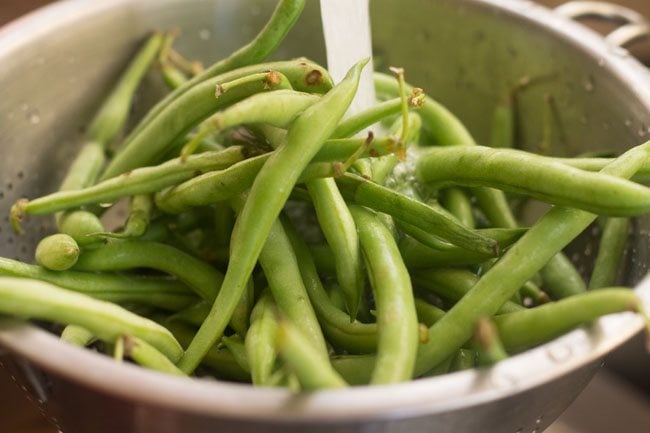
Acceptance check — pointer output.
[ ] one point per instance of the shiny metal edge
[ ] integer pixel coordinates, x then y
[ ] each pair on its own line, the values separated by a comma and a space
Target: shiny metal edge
425, 396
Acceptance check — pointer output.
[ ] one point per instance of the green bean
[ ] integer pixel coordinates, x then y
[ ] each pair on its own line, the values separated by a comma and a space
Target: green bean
235, 345
464, 360
57, 252
526, 173
77, 335
81, 225
610, 253
504, 237
148, 356
532, 291
140, 181
448, 130
442, 368
561, 279
354, 369
353, 337
282, 273
370, 116
427, 313
240, 319
548, 236
528, 328
260, 341
202, 278
224, 220
277, 108
383, 166
488, 343
113, 113
397, 326
411, 211
312, 370
140, 208
284, 16
172, 75
495, 207
268, 194
340, 232
194, 314
220, 359
502, 132
453, 284
336, 297
418, 256
218, 186
167, 128
459, 205
117, 348
155, 291
36, 299
597, 164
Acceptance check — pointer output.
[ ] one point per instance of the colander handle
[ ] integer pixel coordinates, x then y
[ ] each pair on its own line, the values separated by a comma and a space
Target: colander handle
633, 26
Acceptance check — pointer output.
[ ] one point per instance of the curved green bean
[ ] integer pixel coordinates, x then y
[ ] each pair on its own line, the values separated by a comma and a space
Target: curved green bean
260, 341
537, 176
36, 299
202, 278
312, 370
148, 356
158, 292
397, 325
610, 253
528, 328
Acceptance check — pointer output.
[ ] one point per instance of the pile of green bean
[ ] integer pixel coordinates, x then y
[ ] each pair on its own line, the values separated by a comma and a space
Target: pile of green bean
270, 239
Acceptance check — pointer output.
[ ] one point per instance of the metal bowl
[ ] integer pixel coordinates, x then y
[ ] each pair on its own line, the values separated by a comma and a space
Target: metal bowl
57, 65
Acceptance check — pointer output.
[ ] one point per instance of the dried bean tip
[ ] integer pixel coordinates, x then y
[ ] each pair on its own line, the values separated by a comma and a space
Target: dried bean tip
314, 77
416, 98
272, 79
17, 214
219, 90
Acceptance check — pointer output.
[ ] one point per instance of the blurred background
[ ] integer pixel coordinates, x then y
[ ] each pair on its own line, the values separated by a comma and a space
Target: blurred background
618, 399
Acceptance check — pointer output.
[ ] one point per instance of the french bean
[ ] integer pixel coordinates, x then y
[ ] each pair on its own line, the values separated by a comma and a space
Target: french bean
39, 300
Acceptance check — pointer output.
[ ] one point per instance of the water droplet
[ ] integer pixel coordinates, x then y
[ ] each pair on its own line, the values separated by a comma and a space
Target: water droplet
539, 420
589, 84
519, 430
628, 122
559, 352
24, 106
535, 430
643, 131
205, 34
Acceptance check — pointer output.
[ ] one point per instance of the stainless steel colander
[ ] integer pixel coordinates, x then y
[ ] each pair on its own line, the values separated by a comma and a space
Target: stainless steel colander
56, 67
